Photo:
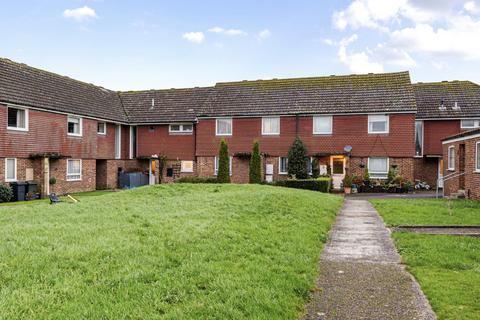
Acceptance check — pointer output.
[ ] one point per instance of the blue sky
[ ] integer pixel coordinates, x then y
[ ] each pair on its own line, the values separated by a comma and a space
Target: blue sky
130, 45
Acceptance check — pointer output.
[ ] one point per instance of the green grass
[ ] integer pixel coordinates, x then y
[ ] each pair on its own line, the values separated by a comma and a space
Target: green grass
170, 251
448, 270
79, 196
428, 211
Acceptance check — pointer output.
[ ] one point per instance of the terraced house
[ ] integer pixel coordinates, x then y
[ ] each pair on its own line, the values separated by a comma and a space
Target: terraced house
83, 135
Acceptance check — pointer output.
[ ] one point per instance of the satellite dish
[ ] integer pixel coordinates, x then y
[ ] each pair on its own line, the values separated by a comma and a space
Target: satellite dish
348, 149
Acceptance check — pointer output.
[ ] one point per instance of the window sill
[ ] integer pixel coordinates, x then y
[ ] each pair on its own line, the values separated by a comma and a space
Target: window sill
322, 134
180, 133
101, 134
283, 173
17, 129
386, 132
223, 135
8, 181
74, 135
186, 171
73, 180
451, 170
271, 134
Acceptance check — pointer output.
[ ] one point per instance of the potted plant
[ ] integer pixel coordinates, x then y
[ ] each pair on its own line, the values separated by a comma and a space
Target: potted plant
347, 183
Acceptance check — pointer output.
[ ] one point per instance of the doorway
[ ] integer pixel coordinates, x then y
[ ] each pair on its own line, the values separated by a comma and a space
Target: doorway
337, 167
101, 175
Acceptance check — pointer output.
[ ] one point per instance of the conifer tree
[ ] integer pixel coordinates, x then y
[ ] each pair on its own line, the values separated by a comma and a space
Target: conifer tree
297, 160
223, 174
255, 174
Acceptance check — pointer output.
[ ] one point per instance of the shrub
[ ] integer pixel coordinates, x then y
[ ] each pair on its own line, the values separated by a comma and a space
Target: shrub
6, 193
297, 160
255, 170
348, 180
197, 180
223, 174
320, 184
366, 175
315, 169
52, 181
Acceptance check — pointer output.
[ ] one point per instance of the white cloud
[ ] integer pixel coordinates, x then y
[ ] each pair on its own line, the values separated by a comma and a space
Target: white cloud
194, 37
471, 7
80, 14
357, 62
263, 35
228, 32
460, 39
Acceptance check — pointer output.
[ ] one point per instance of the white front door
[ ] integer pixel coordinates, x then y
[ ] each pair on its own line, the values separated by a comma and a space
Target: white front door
337, 167
440, 173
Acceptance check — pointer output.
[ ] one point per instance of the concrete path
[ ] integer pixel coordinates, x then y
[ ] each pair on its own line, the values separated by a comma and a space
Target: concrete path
361, 275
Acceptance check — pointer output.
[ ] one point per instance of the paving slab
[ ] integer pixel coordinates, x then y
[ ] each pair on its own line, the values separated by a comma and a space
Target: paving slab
361, 276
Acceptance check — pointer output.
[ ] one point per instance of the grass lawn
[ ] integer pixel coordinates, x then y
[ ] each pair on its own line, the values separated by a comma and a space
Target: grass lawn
448, 270
428, 211
447, 267
79, 196
169, 251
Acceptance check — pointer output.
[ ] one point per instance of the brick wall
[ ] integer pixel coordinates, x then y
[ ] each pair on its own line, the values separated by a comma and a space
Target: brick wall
426, 169
157, 140
405, 166
436, 130
58, 169
471, 177
347, 130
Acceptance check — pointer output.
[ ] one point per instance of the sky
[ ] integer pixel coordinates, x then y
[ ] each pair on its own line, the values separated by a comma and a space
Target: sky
135, 45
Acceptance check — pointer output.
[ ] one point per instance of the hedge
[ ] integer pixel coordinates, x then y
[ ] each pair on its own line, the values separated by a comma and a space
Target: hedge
197, 180
320, 184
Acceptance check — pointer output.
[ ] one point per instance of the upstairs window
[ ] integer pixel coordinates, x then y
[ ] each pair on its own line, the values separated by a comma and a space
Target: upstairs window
469, 123
74, 170
10, 169
378, 167
17, 119
229, 165
224, 127
271, 125
418, 138
283, 165
180, 128
378, 124
322, 125
451, 158
74, 126
102, 128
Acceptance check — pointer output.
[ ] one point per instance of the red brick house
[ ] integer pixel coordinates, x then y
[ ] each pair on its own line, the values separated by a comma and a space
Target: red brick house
443, 109
82, 134
462, 168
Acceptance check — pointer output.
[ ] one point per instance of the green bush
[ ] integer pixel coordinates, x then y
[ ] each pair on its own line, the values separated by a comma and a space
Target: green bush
320, 184
6, 193
255, 170
197, 180
297, 160
223, 174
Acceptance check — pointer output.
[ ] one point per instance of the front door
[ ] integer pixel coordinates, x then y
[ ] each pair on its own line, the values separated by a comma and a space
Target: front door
440, 173
337, 165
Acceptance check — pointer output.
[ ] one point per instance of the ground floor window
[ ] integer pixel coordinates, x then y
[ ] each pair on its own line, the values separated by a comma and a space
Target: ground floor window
74, 170
187, 166
216, 165
451, 158
10, 169
283, 165
378, 167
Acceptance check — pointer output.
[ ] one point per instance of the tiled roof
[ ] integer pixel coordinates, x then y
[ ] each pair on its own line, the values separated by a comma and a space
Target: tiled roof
172, 105
463, 134
386, 92
23, 85
430, 97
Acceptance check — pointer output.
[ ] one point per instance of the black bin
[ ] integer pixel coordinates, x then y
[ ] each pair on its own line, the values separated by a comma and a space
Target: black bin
19, 190
32, 187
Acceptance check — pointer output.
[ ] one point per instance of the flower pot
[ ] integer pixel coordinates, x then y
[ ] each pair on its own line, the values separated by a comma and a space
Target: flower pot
347, 190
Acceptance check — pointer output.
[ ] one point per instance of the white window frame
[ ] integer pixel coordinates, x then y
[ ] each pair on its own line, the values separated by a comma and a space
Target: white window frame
376, 174
476, 124
26, 119
264, 133
451, 164
319, 132
223, 134
387, 125
423, 137
182, 129
104, 133
6, 170
80, 126
280, 166
215, 166
185, 170
477, 163
69, 178
118, 141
